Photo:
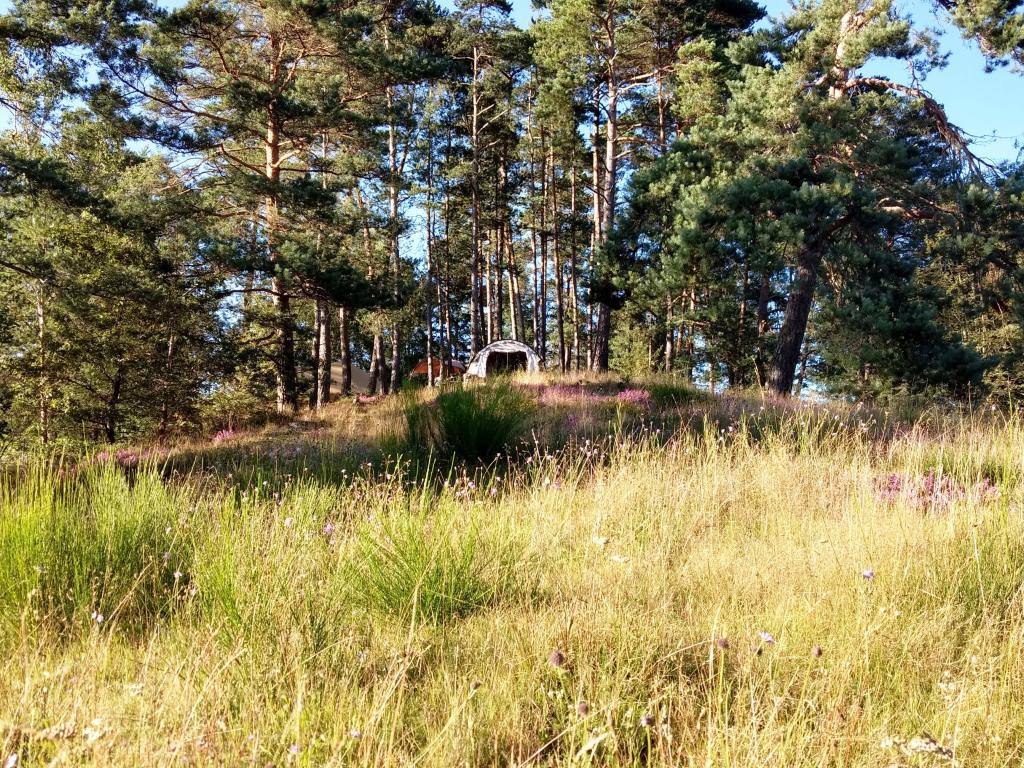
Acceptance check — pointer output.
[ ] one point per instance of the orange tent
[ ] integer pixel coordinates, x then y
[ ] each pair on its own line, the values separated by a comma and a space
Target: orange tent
455, 367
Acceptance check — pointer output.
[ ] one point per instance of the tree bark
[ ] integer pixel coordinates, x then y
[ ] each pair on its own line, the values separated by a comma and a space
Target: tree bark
375, 364
602, 332
428, 298
574, 300
475, 331
287, 385
514, 296
395, 256
314, 389
165, 398
670, 346
324, 360
112, 416
557, 265
44, 378
346, 351
794, 322
542, 284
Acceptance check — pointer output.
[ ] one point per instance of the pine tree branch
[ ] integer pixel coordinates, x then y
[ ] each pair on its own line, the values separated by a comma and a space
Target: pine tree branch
950, 133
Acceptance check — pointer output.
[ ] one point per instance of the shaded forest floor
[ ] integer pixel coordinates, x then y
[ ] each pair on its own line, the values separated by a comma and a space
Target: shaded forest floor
645, 576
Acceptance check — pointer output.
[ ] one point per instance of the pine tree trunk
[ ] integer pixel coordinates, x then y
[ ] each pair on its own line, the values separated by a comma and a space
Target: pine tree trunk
287, 384
395, 256
443, 296
669, 334
542, 285
763, 295
112, 416
557, 265
535, 249
383, 380
324, 360
375, 364
427, 294
475, 331
167, 393
314, 390
44, 378
602, 332
489, 293
574, 300
346, 351
515, 299
794, 322
499, 251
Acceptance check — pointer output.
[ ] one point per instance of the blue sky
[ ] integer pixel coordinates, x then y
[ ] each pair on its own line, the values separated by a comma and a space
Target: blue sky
987, 105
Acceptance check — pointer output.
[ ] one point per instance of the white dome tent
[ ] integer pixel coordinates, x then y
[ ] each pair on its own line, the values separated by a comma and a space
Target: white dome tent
503, 356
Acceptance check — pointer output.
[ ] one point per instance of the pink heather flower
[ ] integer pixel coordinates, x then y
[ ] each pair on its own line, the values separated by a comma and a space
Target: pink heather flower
634, 396
224, 434
933, 490
328, 529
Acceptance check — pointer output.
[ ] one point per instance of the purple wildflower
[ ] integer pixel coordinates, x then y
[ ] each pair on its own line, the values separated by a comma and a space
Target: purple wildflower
223, 435
635, 396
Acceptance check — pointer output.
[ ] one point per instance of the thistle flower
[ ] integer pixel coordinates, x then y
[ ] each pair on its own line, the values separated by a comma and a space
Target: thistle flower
556, 659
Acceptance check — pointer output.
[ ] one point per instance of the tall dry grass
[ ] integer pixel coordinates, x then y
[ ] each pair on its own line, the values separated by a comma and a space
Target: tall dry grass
769, 587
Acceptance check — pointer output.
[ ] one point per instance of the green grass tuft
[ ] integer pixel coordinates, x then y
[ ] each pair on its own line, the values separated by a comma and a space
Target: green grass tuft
100, 548
431, 567
470, 424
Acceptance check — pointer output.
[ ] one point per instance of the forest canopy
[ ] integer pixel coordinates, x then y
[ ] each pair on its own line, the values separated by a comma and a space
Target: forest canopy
204, 209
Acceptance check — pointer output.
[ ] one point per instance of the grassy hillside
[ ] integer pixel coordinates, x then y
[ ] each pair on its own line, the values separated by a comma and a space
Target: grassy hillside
643, 577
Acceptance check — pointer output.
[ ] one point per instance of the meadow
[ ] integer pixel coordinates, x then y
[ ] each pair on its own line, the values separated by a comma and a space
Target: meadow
595, 574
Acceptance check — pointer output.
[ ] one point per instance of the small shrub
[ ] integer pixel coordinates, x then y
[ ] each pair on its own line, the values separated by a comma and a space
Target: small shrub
473, 425
430, 569
669, 394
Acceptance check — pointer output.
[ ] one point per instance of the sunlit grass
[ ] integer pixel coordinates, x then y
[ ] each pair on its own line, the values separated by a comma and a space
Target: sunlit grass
743, 590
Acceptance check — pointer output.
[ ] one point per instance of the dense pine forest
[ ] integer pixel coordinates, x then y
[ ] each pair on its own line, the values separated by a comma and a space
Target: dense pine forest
205, 208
